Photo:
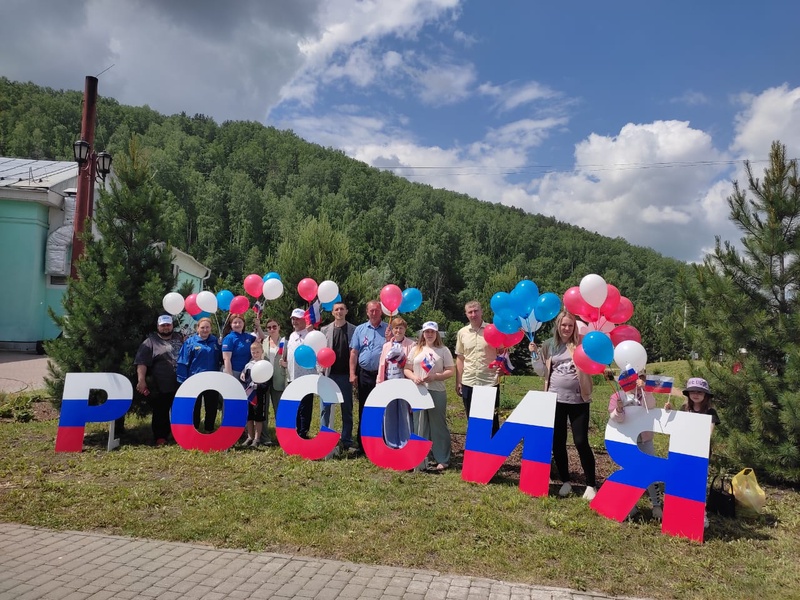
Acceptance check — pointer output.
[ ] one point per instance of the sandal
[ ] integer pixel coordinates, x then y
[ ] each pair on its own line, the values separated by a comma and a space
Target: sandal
441, 467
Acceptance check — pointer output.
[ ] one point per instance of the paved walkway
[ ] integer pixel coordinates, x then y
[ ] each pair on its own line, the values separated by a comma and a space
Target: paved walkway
20, 372
69, 565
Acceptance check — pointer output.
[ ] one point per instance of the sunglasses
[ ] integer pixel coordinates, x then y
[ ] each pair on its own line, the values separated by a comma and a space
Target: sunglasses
273, 327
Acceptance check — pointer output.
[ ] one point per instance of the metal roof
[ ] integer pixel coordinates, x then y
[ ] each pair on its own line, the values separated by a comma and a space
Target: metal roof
25, 173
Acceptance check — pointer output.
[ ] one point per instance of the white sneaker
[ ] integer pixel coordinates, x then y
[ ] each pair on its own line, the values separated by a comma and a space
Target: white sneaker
658, 512
705, 521
247, 442
590, 493
565, 490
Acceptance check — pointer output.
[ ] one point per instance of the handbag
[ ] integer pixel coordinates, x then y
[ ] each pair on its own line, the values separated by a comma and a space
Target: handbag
720, 497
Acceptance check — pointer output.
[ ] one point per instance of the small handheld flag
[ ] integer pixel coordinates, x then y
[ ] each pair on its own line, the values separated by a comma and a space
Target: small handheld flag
627, 379
428, 363
658, 384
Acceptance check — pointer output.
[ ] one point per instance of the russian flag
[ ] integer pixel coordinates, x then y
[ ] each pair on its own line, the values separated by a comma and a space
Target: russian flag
428, 363
627, 379
280, 347
659, 384
314, 313
250, 390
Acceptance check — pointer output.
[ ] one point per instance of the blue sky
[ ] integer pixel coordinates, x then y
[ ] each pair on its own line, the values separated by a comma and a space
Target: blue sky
626, 118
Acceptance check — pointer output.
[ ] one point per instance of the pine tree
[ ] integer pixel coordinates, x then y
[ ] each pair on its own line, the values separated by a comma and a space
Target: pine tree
122, 278
745, 323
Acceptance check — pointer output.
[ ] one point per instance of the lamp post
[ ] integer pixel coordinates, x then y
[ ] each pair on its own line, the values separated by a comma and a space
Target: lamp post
91, 164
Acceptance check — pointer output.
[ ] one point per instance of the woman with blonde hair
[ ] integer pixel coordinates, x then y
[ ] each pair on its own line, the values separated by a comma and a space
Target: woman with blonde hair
574, 393
397, 420
430, 363
201, 353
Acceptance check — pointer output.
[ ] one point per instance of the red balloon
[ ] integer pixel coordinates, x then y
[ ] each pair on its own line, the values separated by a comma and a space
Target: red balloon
511, 339
493, 336
622, 333
307, 288
574, 303
612, 300
392, 297
623, 312
253, 285
326, 357
586, 364
239, 305
190, 304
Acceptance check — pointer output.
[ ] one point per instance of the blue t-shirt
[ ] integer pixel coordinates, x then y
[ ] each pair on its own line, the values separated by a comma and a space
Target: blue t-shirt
238, 344
369, 341
198, 355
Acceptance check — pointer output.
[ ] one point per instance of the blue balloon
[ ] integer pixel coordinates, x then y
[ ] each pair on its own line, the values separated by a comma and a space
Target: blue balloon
502, 301
271, 275
598, 346
547, 307
506, 321
524, 295
412, 299
305, 357
224, 298
329, 305
200, 315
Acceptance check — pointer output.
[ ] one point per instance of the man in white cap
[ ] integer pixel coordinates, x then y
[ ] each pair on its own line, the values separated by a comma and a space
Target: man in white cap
156, 361
294, 370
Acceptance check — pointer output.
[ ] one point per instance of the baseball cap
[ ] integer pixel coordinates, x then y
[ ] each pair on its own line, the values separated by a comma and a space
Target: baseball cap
165, 320
430, 325
298, 313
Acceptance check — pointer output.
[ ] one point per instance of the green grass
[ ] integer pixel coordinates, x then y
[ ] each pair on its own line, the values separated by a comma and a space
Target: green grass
349, 509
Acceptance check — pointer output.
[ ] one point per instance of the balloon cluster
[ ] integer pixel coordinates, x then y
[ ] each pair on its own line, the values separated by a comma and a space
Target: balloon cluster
519, 313
314, 351
394, 300
605, 337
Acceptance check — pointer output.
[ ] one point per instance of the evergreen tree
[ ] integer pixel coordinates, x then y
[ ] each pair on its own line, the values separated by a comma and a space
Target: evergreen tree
122, 278
745, 324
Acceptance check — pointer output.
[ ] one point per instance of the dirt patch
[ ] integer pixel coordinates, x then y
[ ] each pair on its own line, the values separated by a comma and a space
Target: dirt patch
44, 411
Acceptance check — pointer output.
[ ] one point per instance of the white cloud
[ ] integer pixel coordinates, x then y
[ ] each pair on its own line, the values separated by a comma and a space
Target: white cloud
445, 83
774, 114
691, 98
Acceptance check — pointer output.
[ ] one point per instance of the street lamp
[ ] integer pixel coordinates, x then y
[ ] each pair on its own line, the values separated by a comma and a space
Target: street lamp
101, 161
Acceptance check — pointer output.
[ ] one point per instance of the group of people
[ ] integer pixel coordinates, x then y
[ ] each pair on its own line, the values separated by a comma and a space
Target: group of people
553, 360
375, 351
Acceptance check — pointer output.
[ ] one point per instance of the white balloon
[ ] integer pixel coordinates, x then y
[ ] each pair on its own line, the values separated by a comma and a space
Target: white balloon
273, 288
594, 290
630, 353
327, 291
173, 303
207, 301
386, 311
315, 339
261, 371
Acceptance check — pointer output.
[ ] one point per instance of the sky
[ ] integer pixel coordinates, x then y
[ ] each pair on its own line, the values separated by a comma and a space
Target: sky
628, 118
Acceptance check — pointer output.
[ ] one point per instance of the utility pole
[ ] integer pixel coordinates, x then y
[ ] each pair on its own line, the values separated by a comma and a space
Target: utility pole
84, 200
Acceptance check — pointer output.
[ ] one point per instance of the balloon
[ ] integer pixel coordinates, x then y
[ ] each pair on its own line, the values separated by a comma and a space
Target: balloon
253, 284
200, 315
326, 357
530, 324
272, 288
586, 364
239, 305
305, 357
316, 340
207, 301
391, 297
224, 298
594, 290
574, 302
271, 275
511, 339
506, 321
622, 333
329, 305
611, 301
191, 305
327, 291
307, 288
261, 371
524, 295
386, 311
173, 303
412, 299
502, 301
547, 307
598, 347
493, 336
630, 353
623, 312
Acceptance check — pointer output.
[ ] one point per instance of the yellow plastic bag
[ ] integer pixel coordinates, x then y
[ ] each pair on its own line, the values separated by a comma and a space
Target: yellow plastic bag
750, 498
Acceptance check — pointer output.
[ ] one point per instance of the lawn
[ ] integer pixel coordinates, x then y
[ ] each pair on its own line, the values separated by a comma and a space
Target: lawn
348, 509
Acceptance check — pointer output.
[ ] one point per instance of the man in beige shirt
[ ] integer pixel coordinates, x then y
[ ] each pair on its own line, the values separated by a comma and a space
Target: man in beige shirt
473, 356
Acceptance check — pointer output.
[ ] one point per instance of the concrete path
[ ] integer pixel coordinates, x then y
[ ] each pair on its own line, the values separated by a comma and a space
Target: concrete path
20, 372
69, 565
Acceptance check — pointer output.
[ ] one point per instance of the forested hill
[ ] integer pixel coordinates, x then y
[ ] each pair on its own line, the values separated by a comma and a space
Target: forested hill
248, 198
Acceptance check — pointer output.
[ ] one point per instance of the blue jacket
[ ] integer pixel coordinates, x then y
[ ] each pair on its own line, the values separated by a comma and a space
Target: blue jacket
198, 355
